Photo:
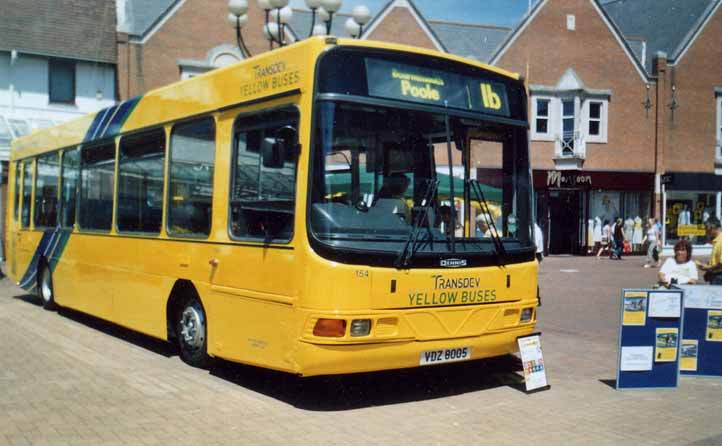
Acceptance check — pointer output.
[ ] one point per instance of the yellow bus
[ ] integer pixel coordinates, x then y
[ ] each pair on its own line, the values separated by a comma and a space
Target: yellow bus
332, 206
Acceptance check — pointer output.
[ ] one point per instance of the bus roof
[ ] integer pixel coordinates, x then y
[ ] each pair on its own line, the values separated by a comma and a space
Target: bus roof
283, 71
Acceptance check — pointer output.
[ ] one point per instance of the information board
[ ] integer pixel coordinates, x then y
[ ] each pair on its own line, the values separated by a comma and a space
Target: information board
701, 348
532, 359
649, 338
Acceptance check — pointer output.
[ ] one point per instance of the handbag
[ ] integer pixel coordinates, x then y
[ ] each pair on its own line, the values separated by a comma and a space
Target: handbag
655, 254
627, 247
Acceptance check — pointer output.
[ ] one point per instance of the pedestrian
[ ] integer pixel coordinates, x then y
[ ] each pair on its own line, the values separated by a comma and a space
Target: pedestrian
680, 269
654, 241
713, 269
539, 241
618, 237
606, 237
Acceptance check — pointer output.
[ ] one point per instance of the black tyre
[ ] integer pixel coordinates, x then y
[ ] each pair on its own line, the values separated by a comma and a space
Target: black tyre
45, 288
192, 334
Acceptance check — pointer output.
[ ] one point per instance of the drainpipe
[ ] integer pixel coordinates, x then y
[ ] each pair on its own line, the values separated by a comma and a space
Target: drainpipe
13, 59
660, 136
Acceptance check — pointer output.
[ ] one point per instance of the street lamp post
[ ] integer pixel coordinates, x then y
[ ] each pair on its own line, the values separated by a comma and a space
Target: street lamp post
238, 17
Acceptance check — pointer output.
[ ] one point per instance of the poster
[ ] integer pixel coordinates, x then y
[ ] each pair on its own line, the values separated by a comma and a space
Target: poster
666, 344
714, 326
665, 304
635, 308
702, 296
636, 359
688, 355
533, 362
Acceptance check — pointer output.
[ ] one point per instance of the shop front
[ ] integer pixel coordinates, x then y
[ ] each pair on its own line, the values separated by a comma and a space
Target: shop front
690, 199
572, 207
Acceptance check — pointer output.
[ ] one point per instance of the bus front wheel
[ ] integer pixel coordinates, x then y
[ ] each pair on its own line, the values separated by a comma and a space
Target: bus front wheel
45, 288
191, 330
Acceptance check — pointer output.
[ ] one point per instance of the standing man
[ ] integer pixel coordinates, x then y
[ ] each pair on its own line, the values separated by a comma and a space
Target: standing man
713, 269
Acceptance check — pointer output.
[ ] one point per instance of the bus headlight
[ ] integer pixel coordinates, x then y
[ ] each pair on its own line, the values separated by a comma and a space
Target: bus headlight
526, 314
360, 327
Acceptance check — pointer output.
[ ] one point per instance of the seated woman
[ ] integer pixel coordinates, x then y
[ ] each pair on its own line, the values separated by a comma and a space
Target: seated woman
680, 269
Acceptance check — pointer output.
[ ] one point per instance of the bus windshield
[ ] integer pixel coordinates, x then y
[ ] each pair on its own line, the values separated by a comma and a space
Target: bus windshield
383, 175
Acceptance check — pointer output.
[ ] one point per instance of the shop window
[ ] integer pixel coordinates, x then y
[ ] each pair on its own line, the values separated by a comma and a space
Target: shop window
263, 196
140, 182
61, 80
542, 119
46, 190
96, 187
192, 160
686, 215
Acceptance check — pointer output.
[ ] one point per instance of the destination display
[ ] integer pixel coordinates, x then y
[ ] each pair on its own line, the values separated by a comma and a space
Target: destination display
394, 80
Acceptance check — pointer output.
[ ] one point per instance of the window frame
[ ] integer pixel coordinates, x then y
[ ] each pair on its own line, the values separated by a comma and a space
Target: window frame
24, 163
57, 185
54, 62
231, 180
577, 146
603, 120
79, 202
18, 186
549, 135
61, 213
117, 182
168, 178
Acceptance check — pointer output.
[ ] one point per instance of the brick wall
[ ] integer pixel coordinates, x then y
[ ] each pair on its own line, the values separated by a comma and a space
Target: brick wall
546, 49
400, 26
691, 134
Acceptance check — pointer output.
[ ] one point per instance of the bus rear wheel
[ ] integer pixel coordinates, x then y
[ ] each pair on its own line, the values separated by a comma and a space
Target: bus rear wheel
45, 288
191, 334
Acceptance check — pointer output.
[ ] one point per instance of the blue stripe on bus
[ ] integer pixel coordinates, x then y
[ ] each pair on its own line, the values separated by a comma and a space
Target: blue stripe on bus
94, 125
51, 246
119, 118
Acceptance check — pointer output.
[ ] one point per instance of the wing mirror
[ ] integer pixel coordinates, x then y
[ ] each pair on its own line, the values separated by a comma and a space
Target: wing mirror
280, 147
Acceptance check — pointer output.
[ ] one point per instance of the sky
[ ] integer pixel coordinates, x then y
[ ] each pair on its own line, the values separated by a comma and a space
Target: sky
487, 12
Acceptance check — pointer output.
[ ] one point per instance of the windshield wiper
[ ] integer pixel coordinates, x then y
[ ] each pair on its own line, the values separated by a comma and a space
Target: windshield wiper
411, 245
484, 207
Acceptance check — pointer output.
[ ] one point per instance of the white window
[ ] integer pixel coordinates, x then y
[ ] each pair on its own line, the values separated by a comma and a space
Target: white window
542, 122
596, 120
569, 133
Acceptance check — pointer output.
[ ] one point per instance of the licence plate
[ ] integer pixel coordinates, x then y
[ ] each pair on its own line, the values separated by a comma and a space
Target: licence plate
445, 355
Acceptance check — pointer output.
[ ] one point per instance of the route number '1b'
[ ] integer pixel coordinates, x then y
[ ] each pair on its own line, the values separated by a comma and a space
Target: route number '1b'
491, 99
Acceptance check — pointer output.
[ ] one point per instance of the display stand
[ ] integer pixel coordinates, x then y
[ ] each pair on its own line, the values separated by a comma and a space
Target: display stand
532, 359
651, 324
701, 348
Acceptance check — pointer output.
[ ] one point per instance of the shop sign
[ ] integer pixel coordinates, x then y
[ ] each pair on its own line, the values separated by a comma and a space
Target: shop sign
690, 230
556, 178
667, 178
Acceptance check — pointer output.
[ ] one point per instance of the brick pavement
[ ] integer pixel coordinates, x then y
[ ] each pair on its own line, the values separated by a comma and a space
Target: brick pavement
67, 379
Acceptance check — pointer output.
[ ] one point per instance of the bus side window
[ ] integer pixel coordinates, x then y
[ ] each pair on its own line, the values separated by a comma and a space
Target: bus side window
46, 190
27, 193
140, 182
18, 169
69, 187
190, 195
97, 179
263, 198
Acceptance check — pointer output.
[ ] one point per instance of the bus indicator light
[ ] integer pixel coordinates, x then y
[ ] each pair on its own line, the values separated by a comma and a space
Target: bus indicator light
330, 328
526, 314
